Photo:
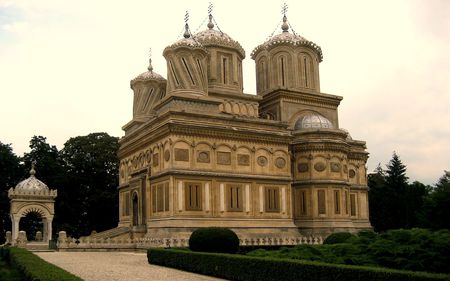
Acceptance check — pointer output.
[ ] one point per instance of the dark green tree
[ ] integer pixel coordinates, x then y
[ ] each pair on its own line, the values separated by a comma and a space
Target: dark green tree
90, 199
378, 202
10, 175
436, 211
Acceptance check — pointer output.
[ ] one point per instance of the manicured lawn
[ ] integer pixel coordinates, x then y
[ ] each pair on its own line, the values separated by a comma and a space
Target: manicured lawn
8, 273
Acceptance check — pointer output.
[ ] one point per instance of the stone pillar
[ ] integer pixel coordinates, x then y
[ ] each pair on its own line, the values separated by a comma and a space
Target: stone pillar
15, 228
62, 240
38, 237
8, 237
49, 230
22, 239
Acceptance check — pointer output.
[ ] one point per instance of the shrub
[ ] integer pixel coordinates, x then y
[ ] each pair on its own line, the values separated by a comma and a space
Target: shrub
215, 240
238, 267
338, 237
34, 268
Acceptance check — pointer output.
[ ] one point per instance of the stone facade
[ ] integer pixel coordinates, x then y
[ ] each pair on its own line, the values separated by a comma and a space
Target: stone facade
199, 152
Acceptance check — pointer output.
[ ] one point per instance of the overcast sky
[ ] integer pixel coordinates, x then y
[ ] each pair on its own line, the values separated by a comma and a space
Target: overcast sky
65, 66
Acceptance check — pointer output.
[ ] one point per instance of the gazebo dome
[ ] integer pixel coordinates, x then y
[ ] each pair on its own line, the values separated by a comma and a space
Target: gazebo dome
313, 121
31, 183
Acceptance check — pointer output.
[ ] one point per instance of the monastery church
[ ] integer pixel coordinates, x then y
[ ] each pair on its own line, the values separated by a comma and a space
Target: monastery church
200, 152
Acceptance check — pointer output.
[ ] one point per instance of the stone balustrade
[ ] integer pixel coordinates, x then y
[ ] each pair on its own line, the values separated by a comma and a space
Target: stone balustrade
86, 243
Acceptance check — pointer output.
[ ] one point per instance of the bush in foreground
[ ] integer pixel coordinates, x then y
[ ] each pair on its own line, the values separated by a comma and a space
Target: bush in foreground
239, 267
338, 237
214, 240
33, 268
415, 249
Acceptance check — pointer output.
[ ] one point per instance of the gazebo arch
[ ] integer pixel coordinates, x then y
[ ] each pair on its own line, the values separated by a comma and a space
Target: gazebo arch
32, 196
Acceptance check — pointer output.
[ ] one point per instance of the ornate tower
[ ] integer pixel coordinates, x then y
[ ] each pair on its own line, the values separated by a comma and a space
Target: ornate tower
186, 66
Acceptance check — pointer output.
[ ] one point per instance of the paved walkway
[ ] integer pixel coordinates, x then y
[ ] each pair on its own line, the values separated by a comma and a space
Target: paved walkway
117, 266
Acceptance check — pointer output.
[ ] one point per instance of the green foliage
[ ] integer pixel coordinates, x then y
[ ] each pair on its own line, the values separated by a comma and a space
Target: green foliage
32, 267
415, 249
248, 268
10, 174
436, 211
214, 239
338, 237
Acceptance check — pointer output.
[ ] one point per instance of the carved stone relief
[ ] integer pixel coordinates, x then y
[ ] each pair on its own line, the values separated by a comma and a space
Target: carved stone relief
224, 158
335, 167
155, 159
243, 159
203, 157
262, 161
181, 154
303, 167
167, 155
351, 173
320, 166
280, 162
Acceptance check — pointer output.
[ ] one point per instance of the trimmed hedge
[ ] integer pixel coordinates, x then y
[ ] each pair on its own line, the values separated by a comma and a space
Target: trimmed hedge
34, 268
338, 237
214, 240
238, 267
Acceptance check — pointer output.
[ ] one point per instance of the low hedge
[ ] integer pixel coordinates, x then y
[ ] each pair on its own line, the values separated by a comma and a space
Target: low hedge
239, 267
214, 240
34, 268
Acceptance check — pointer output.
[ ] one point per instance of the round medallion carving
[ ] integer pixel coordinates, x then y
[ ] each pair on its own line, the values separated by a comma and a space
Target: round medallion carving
167, 155
303, 167
203, 157
262, 161
351, 173
319, 166
335, 167
280, 162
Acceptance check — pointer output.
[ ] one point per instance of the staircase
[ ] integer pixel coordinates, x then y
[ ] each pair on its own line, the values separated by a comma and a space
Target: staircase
111, 233
38, 247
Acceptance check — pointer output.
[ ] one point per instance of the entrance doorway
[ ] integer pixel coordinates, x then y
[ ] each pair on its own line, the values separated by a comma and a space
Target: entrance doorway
31, 223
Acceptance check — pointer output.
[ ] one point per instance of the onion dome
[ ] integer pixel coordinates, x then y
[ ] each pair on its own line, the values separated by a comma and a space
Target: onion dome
217, 38
148, 89
313, 121
149, 75
287, 38
186, 65
31, 183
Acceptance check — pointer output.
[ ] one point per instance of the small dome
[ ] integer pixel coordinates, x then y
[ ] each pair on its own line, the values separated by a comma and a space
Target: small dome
148, 75
313, 121
211, 37
31, 183
285, 37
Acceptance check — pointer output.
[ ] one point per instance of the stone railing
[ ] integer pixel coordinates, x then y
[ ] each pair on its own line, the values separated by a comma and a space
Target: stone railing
86, 243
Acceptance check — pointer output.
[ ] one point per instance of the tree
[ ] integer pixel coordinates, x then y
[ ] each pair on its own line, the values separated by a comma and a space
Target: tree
437, 205
378, 202
10, 175
90, 201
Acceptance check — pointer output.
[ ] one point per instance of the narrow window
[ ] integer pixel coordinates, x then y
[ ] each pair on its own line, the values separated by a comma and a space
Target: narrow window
224, 70
282, 72
147, 100
187, 70
193, 198
200, 67
303, 202
174, 74
234, 197
337, 202
159, 198
352, 204
272, 199
306, 72
166, 197
345, 202
153, 198
321, 202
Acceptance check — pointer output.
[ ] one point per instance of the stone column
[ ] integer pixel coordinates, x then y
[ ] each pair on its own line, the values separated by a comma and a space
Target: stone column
44, 229
49, 229
15, 228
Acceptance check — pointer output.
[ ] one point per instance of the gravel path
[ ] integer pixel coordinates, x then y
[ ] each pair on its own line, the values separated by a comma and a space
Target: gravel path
117, 266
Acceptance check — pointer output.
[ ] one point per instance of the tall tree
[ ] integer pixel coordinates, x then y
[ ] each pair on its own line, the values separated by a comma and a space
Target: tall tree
377, 199
10, 175
92, 171
437, 205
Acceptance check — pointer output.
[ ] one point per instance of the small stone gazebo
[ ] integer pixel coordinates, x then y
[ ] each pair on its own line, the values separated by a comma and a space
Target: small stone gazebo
32, 196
